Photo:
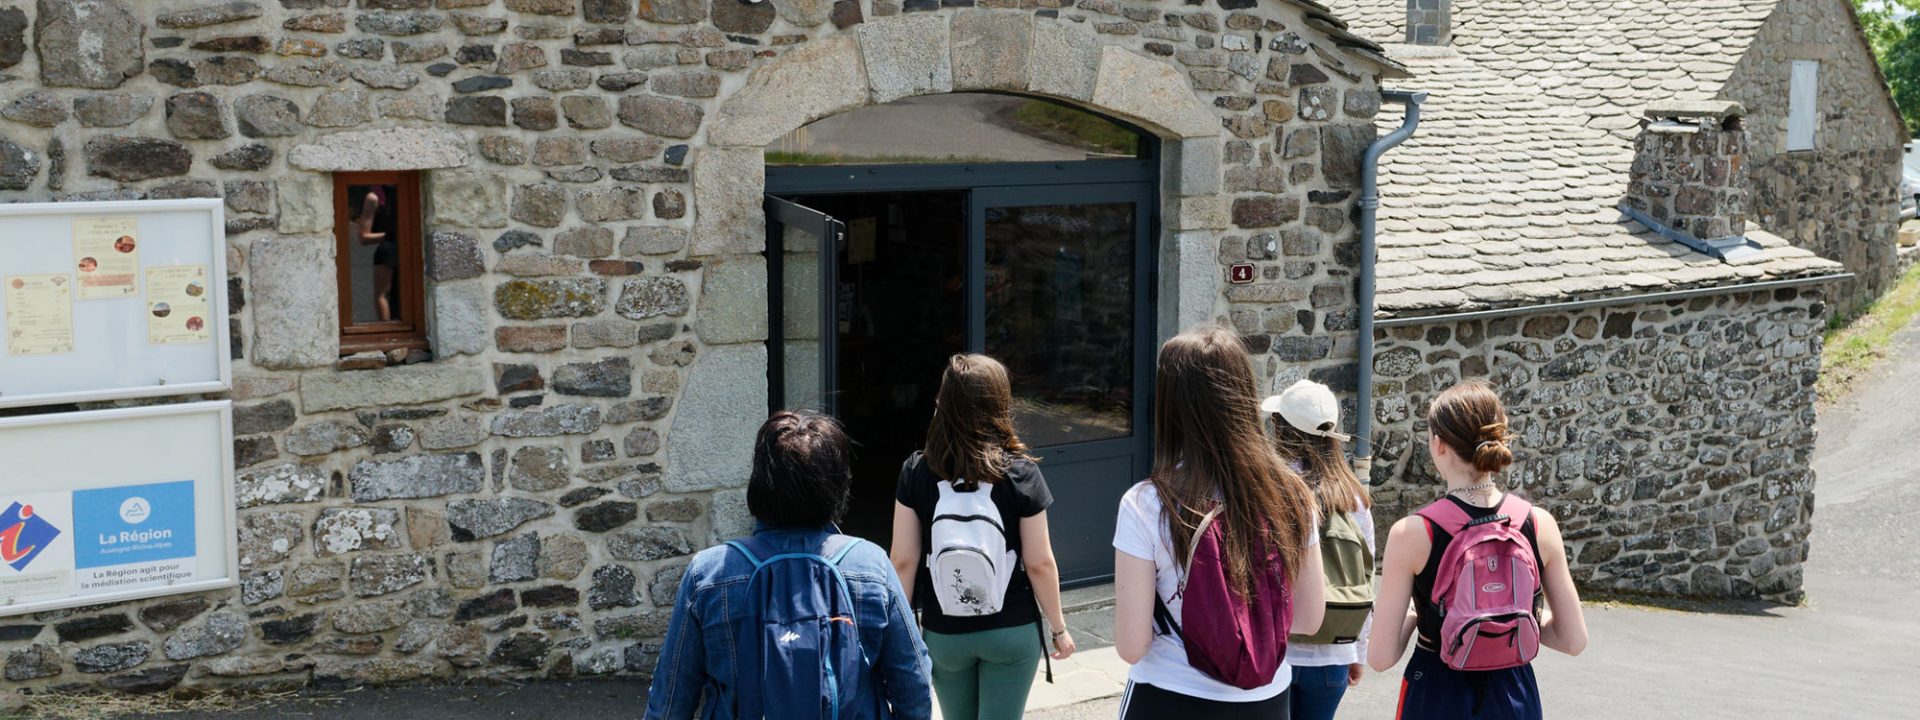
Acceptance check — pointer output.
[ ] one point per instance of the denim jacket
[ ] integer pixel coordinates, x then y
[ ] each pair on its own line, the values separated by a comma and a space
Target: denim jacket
705, 638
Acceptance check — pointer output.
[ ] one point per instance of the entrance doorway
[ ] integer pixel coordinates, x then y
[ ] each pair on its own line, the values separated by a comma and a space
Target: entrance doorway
884, 269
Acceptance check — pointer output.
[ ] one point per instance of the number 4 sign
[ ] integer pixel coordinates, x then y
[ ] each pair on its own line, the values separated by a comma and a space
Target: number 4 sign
1241, 274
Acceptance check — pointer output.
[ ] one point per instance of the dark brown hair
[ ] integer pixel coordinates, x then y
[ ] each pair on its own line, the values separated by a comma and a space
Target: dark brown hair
1323, 464
801, 471
1207, 444
971, 438
1468, 417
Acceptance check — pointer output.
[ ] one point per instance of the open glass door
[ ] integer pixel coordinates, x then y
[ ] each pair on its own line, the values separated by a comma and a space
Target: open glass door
802, 249
1064, 301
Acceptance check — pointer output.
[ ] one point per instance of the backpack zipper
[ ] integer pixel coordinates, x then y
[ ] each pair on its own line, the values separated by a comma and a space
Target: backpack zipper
995, 522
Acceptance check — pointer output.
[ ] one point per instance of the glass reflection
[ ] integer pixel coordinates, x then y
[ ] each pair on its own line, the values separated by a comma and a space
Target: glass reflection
374, 241
957, 127
1059, 287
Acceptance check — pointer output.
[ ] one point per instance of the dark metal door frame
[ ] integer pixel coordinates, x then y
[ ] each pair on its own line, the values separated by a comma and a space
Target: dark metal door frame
988, 185
831, 233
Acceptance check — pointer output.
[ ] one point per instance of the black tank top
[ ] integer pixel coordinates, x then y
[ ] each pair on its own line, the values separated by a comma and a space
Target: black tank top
1429, 617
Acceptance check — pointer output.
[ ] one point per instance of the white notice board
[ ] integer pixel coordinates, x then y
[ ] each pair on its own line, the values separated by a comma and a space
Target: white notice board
110, 505
111, 300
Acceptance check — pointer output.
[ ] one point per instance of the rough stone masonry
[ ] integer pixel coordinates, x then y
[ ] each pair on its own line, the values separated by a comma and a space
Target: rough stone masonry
522, 502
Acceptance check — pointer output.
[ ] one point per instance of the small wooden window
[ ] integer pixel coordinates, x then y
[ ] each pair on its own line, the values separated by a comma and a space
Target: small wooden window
376, 227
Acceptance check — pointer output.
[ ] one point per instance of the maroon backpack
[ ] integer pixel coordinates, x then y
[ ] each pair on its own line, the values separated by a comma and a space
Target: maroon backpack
1236, 641
1485, 586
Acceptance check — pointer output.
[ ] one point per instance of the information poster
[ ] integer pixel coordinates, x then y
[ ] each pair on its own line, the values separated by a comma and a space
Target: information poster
39, 315
101, 506
177, 305
106, 255
133, 537
115, 300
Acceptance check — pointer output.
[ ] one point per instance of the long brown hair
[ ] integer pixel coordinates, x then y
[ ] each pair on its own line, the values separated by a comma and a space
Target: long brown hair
971, 438
1207, 444
1469, 418
1323, 466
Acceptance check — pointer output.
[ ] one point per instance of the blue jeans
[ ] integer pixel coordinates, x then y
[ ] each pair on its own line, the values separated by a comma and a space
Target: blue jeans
1317, 691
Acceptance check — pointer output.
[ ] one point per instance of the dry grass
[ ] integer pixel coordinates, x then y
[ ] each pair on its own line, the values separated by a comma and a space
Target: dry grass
1853, 348
188, 705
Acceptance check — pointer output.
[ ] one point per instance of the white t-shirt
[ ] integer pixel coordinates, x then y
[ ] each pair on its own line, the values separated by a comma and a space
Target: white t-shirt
1305, 655
1141, 531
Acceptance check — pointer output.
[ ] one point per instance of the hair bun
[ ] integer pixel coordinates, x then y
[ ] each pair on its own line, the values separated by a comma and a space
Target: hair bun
1492, 453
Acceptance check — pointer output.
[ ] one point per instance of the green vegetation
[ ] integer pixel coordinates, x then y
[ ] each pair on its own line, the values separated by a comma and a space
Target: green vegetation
782, 157
1893, 29
1083, 130
1853, 346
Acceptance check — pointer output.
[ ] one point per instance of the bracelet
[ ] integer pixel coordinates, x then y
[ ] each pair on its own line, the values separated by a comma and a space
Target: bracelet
1058, 633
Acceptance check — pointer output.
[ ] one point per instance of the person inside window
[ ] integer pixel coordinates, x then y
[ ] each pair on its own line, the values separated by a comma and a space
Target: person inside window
373, 224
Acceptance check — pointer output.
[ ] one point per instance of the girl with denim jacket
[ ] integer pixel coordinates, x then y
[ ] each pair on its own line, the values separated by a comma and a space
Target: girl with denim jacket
798, 489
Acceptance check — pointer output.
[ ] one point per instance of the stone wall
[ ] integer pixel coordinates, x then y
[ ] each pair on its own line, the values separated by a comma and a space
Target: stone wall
522, 502
1841, 199
1690, 174
1671, 440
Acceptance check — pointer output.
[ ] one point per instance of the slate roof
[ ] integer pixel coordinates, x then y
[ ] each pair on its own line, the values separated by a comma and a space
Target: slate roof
1506, 196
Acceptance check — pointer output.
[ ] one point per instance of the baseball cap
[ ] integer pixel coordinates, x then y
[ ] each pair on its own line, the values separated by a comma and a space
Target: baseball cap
1309, 407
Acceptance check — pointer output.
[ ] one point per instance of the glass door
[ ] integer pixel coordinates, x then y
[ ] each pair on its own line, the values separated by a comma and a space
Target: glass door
1060, 294
802, 263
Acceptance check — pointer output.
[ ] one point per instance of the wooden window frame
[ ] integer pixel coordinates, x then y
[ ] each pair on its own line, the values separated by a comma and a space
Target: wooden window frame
410, 333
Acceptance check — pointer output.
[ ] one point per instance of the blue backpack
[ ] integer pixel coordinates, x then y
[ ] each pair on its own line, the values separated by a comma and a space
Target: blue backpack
803, 659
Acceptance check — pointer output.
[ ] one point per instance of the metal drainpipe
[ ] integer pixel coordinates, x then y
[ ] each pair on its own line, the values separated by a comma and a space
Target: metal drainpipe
1369, 209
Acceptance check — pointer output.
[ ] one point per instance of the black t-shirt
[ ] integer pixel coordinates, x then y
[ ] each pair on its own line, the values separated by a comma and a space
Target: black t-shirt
1022, 494
1429, 624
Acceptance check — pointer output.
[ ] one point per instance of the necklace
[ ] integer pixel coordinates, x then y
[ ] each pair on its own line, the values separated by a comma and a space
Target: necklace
1473, 492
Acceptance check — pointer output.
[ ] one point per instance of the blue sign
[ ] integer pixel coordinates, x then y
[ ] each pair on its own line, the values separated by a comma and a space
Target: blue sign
133, 524
23, 536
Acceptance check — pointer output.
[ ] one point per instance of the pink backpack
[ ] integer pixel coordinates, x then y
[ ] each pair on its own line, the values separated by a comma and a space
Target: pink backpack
1230, 639
1485, 586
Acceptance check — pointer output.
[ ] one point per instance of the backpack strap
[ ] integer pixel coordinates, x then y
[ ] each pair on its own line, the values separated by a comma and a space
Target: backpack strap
1446, 515
1516, 510
1193, 544
1163, 620
741, 546
841, 554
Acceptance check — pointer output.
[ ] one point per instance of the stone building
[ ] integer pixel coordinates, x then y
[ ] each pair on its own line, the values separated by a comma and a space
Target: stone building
504, 296
1609, 224
1830, 187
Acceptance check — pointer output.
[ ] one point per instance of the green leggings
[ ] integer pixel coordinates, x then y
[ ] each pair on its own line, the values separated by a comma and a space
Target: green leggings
984, 675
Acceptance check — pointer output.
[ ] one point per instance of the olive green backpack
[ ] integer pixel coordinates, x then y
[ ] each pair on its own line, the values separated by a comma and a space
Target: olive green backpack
1349, 567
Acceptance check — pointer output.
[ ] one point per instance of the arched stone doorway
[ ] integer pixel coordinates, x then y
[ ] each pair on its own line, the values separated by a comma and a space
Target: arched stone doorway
890, 59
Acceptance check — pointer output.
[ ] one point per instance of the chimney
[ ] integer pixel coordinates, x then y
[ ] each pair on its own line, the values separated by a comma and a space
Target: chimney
1689, 176
1430, 22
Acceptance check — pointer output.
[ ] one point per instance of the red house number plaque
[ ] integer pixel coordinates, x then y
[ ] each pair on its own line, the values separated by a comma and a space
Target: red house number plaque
1241, 274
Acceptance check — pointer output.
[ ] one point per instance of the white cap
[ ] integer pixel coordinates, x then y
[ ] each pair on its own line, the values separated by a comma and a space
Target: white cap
1309, 407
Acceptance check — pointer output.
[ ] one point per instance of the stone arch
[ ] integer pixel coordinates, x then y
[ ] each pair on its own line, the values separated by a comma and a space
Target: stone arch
888, 59
925, 54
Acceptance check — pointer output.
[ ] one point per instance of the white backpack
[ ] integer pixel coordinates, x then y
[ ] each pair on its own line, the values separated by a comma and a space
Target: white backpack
970, 562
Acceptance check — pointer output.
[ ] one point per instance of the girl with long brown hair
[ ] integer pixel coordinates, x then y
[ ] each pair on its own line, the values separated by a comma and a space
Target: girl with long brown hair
1209, 453
1305, 419
1469, 439
985, 642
